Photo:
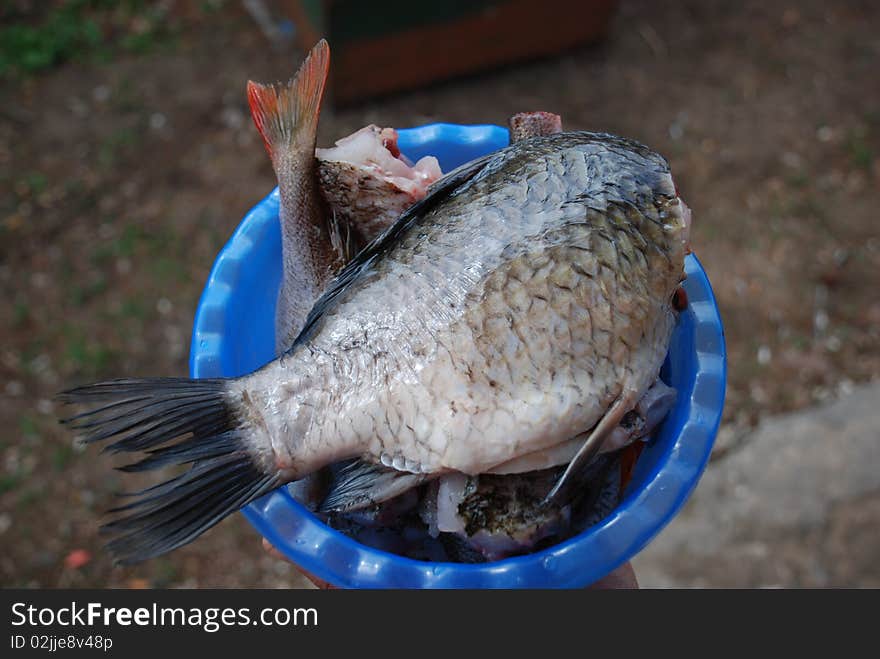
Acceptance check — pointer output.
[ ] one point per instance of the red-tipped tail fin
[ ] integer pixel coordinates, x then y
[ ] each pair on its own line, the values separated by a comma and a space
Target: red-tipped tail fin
287, 114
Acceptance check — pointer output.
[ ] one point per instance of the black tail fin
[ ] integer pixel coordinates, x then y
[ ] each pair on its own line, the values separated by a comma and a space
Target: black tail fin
149, 415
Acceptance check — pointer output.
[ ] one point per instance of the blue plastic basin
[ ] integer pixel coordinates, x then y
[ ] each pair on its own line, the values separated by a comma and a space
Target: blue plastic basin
233, 334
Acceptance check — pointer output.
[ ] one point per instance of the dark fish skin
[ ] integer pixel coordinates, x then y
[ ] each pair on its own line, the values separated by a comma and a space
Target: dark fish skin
526, 300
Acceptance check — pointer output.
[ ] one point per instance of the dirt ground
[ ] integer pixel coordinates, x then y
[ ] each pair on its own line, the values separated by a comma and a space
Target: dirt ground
120, 180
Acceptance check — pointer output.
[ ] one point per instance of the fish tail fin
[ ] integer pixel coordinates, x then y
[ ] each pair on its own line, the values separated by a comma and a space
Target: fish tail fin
175, 421
287, 114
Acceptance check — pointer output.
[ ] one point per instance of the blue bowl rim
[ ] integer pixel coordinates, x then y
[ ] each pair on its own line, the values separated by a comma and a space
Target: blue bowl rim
572, 563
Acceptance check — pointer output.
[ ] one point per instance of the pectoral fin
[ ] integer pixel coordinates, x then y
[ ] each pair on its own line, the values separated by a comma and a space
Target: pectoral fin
591, 446
360, 484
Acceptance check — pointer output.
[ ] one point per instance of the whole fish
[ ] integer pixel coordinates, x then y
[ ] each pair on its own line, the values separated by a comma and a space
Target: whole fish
332, 201
525, 301
511, 517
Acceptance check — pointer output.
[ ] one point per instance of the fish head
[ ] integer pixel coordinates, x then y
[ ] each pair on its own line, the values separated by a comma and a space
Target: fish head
368, 182
375, 156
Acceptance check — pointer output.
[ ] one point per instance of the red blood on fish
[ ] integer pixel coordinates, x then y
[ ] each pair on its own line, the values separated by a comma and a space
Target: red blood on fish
679, 299
628, 458
389, 141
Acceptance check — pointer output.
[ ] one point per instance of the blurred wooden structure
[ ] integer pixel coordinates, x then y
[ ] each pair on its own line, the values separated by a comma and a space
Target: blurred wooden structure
389, 45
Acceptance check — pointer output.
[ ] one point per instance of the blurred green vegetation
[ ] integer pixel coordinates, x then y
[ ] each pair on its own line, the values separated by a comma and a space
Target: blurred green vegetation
860, 149
37, 36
